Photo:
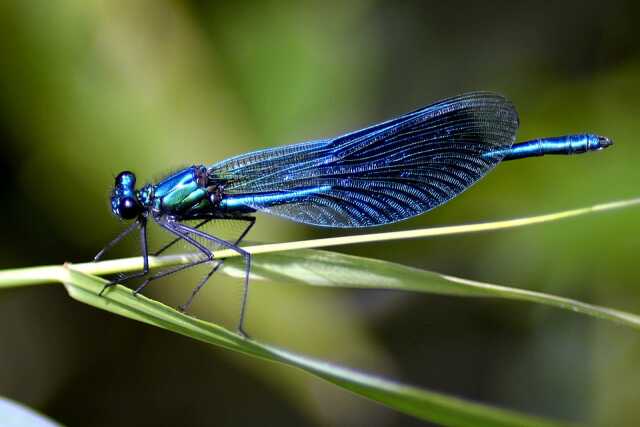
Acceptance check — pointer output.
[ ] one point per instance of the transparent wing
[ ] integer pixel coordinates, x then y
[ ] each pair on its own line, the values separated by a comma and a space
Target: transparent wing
386, 172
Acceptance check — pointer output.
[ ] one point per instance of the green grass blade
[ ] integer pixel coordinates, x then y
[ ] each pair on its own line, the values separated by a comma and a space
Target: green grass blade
131, 264
332, 269
435, 231
426, 405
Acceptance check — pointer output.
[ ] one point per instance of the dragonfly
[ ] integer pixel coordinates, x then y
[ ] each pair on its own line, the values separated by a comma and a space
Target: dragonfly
384, 173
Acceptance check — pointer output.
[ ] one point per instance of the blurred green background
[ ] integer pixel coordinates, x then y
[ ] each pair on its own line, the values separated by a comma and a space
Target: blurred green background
88, 89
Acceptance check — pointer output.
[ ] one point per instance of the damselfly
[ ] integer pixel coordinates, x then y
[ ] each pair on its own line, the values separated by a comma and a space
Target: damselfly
384, 173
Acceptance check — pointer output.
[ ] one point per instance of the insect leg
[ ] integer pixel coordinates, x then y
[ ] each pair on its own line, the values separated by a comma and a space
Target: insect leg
184, 307
145, 258
115, 241
251, 220
177, 239
247, 263
167, 273
169, 226
166, 225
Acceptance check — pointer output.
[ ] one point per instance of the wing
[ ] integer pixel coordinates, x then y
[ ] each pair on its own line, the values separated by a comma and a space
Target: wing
384, 173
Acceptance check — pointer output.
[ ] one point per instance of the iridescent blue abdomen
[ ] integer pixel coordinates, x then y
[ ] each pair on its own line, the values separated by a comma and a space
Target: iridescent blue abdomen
564, 145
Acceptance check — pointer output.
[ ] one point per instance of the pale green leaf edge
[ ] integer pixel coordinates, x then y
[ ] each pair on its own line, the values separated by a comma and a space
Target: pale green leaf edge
16, 414
332, 269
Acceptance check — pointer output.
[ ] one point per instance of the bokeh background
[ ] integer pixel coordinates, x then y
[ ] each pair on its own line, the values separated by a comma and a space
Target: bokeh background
91, 88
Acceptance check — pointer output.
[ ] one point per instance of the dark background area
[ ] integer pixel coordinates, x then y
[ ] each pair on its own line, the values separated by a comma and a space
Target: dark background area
88, 89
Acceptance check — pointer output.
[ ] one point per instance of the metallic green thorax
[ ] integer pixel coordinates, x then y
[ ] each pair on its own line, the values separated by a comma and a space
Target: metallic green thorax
183, 193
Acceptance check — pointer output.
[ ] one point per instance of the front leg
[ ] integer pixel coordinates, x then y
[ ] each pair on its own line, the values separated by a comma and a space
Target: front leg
115, 241
145, 258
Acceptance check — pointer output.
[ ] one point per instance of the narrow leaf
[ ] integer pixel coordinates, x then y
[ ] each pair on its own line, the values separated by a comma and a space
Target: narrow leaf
426, 405
332, 269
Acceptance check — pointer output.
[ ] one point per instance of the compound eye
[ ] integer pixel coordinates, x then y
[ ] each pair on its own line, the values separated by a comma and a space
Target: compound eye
126, 179
128, 208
